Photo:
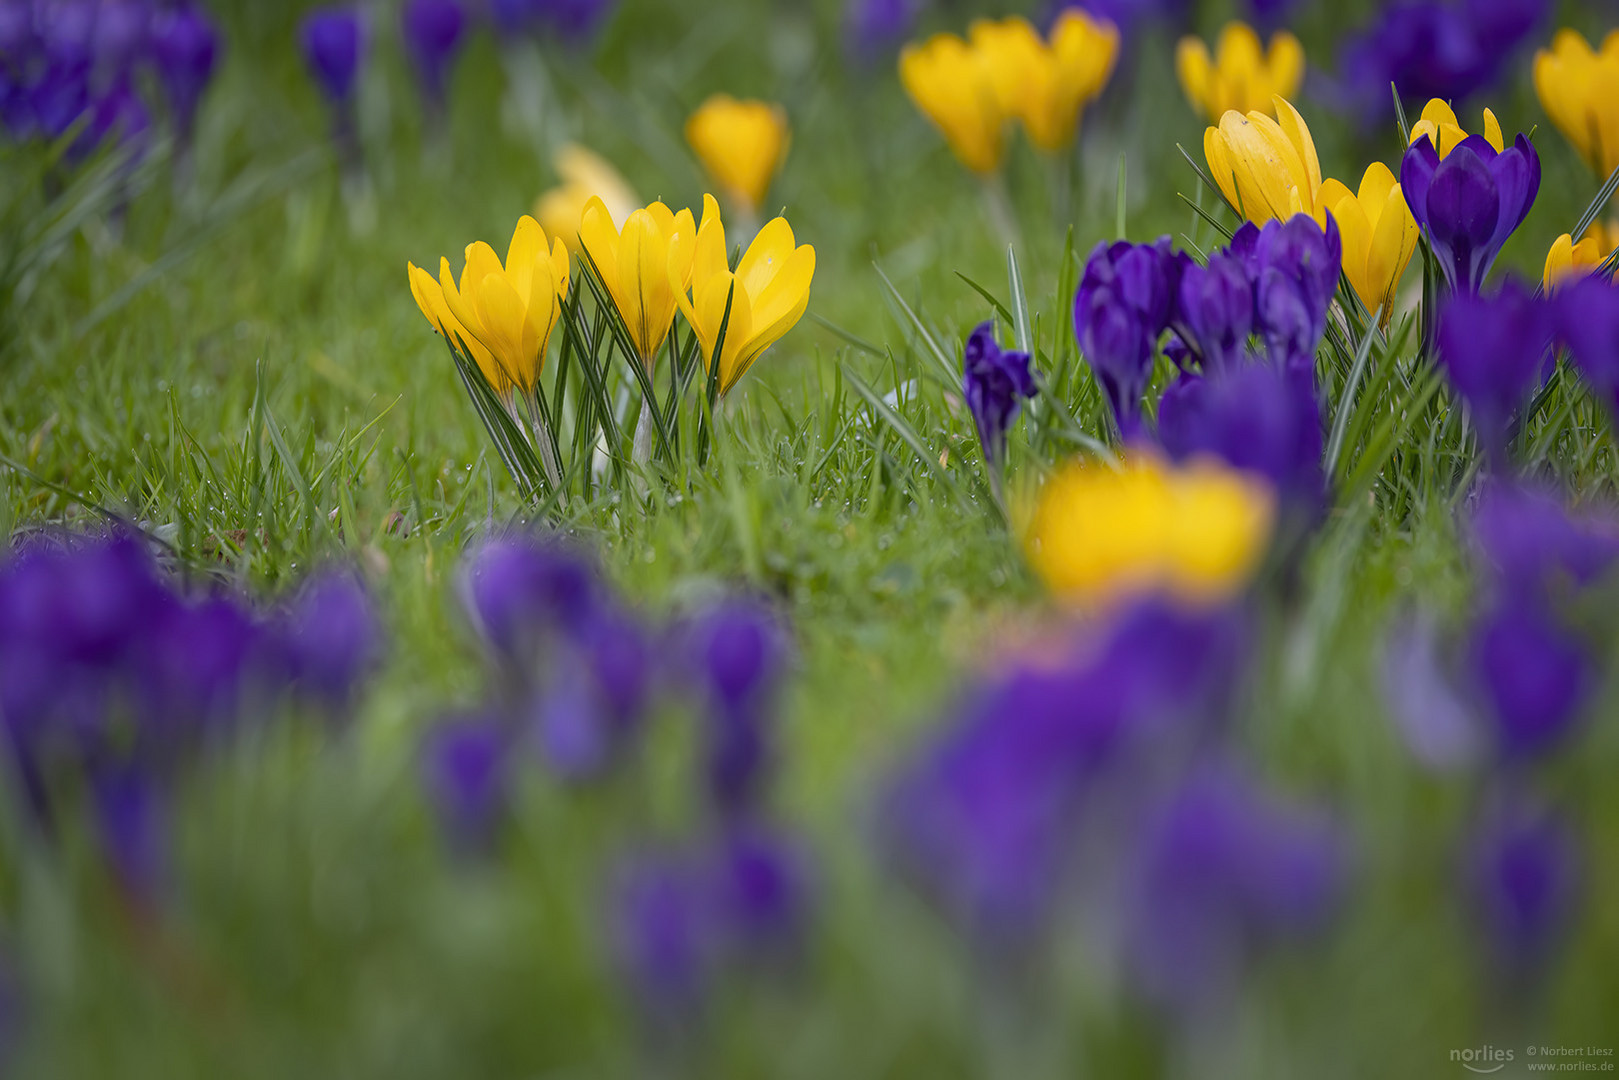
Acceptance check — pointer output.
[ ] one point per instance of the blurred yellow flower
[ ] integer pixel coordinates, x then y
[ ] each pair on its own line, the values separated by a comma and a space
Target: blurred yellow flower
1439, 123
768, 293
1047, 84
504, 314
584, 176
643, 267
1266, 168
1379, 233
1241, 74
741, 144
1579, 89
1568, 259
1196, 531
954, 87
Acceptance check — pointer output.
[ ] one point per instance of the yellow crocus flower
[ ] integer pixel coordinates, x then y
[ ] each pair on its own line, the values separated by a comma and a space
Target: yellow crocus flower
1241, 74
1196, 531
1439, 123
504, 313
1568, 259
1266, 168
768, 292
584, 176
1047, 84
1579, 89
741, 144
641, 267
953, 86
1378, 231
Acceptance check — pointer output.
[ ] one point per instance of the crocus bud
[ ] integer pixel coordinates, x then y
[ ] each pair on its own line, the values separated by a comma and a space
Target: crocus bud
186, 46
995, 382
433, 31
1495, 350
334, 46
332, 637
466, 770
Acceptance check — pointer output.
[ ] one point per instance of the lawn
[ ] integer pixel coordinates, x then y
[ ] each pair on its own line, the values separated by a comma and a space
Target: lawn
211, 346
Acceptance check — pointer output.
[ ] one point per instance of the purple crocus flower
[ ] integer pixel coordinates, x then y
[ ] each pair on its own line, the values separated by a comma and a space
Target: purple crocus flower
1428, 49
760, 892
1523, 877
575, 20
185, 45
740, 654
1253, 417
1222, 870
995, 381
660, 935
1419, 686
332, 637
130, 815
466, 767
1296, 267
1533, 676
1587, 314
1123, 305
873, 29
1531, 541
433, 31
520, 590
334, 46
595, 702
1469, 203
1495, 350
1216, 305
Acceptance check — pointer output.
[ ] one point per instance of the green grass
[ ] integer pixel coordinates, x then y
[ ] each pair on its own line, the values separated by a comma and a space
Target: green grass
237, 372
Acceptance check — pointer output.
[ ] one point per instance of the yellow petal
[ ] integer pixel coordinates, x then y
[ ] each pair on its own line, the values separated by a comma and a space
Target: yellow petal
1559, 262
711, 256
600, 238
1217, 152
1195, 71
1292, 125
765, 256
778, 309
1286, 62
1492, 130
1331, 194
528, 240
1394, 239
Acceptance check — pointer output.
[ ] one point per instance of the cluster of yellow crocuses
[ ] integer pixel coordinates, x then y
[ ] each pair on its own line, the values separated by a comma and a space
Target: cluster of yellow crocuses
657, 263
972, 89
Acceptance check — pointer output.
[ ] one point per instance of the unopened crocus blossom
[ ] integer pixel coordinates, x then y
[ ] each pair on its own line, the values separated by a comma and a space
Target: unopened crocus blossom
1534, 677
995, 382
334, 45
955, 88
1587, 314
1125, 300
433, 32
1439, 124
1523, 881
644, 267
509, 310
1241, 74
1579, 89
466, 766
1378, 232
1295, 265
766, 295
1570, 260
1265, 168
1469, 200
583, 175
1046, 83
1197, 532
874, 29
1495, 350
741, 145
186, 46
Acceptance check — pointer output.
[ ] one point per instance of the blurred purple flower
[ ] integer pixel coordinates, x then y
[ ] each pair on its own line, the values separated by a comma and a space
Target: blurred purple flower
1131, 15
874, 29
1123, 305
572, 19
1470, 202
995, 381
1524, 871
332, 637
194, 669
760, 888
660, 933
334, 45
130, 815
1587, 314
596, 701
1495, 350
520, 590
740, 654
186, 47
433, 31
1433, 717
1531, 540
1224, 869
1533, 676
465, 762
1253, 417
1430, 50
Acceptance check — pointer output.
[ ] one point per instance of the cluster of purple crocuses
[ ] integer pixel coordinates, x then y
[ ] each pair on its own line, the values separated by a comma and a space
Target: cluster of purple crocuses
577, 677
1498, 349
114, 680
1445, 49
1100, 794
1504, 695
69, 65
1242, 331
